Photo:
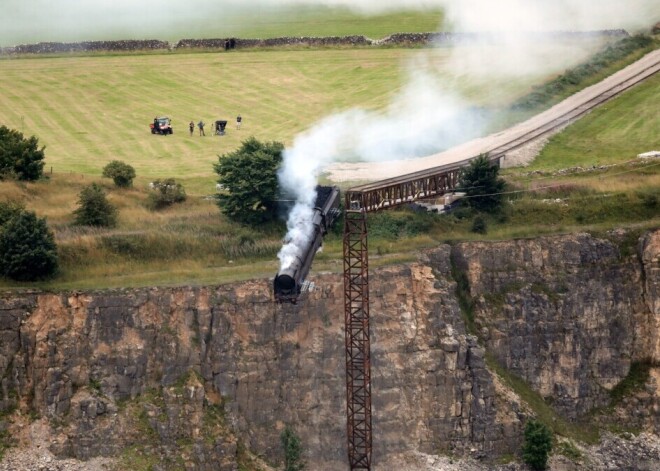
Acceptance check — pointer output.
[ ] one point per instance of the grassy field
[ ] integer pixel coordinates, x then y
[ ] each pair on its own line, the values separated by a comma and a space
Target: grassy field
316, 21
91, 110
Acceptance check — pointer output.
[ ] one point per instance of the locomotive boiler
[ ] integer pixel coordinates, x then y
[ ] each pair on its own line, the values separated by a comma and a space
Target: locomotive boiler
288, 282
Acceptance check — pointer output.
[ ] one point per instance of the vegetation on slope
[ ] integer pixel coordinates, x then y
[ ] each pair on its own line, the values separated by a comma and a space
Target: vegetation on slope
612, 57
90, 111
612, 134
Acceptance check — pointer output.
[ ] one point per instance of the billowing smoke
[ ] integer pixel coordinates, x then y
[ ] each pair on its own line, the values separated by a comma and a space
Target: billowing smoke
423, 117
427, 116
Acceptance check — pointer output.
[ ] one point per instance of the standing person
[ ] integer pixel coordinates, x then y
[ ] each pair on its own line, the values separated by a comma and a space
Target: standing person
200, 125
156, 126
238, 121
192, 127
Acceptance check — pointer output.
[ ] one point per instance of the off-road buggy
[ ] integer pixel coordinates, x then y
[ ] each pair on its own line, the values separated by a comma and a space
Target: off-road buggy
162, 125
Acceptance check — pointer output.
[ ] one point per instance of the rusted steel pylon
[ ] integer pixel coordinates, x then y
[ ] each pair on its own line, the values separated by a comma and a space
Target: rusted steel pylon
356, 309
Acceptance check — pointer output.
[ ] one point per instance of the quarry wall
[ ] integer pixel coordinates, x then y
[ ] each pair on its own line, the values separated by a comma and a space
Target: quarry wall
198, 374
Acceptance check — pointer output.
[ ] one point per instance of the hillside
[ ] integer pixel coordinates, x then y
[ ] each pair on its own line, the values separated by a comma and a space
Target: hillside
90, 110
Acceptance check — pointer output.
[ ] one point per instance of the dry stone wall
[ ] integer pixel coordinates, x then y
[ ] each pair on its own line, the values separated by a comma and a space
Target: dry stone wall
398, 39
87, 46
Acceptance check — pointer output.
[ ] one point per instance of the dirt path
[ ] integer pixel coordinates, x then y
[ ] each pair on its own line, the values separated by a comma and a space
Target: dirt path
374, 171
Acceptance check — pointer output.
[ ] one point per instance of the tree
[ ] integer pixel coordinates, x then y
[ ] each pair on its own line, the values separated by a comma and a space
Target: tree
482, 186
94, 209
27, 248
292, 450
537, 445
20, 158
249, 178
121, 173
165, 193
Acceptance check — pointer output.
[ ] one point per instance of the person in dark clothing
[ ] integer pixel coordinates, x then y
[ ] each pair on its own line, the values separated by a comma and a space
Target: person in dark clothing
200, 125
192, 127
156, 126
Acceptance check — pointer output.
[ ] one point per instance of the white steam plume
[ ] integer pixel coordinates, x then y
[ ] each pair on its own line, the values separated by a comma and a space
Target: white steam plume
421, 118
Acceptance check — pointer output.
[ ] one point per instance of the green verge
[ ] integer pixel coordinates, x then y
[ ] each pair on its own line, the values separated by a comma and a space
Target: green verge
581, 432
634, 381
613, 133
611, 58
626, 50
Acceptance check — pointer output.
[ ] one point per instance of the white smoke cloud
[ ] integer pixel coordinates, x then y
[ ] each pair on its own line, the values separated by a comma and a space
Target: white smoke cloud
422, 117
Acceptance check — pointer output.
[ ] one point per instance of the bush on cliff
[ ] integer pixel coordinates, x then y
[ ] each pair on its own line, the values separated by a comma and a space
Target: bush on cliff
20, 158
27, 248
537, 445
292, 450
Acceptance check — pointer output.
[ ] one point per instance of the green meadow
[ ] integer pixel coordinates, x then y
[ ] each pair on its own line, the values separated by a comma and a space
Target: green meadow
617, 131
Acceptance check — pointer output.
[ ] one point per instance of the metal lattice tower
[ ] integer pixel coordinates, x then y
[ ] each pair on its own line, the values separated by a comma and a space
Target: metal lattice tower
358, 202
358, 357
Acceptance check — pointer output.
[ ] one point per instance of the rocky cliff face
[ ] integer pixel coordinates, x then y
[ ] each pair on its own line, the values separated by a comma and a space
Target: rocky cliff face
208, 377
567, 314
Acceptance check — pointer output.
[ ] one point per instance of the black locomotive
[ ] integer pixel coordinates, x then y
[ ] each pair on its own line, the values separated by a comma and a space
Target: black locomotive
288, 282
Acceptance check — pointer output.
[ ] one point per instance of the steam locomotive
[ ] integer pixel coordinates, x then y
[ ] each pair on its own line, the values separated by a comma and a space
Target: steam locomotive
288, 282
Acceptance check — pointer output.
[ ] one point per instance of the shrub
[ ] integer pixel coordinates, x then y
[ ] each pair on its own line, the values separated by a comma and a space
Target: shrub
94, 209
121, 173
165, 193
649, 200
537, 445
27, 248
393, 225
20, 158
292, 450
479, 225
